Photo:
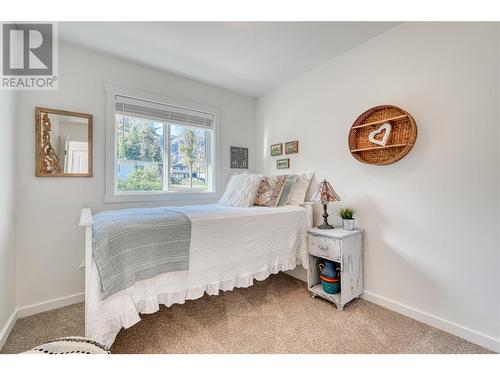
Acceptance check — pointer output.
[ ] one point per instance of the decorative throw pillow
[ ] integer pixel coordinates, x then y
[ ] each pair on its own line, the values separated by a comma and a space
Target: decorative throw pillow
287, 189
269, 191
241, 190
299, 189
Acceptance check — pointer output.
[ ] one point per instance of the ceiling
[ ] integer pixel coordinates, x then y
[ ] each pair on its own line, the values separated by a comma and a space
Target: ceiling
251, 58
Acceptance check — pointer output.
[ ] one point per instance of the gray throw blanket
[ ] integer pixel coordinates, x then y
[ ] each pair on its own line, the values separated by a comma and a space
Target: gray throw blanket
139, 243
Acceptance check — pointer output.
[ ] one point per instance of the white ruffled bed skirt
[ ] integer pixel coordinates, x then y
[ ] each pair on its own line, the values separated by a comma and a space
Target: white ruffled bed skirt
230, 248
107, 329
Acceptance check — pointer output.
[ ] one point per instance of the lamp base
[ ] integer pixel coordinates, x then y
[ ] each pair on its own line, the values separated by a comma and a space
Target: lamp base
326, 226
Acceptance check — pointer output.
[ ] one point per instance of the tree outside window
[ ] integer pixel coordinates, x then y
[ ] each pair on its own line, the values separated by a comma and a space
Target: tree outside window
141, 156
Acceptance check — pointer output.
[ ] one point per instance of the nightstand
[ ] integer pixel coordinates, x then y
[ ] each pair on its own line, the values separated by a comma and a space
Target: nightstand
343, 247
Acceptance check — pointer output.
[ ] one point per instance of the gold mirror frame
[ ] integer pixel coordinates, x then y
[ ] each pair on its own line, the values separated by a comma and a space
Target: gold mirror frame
47, 163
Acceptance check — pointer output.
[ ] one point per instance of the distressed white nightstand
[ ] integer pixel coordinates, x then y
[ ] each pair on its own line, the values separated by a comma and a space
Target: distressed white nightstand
343, 247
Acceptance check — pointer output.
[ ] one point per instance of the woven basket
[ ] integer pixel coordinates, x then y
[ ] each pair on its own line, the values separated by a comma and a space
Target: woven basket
402, 137
70, 345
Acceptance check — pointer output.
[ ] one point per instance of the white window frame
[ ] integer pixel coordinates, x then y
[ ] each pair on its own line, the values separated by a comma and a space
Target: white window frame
112, 196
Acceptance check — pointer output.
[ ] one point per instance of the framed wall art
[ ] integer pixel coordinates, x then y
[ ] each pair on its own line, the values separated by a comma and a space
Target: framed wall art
292, 147
239, 157
277, 149
283, 163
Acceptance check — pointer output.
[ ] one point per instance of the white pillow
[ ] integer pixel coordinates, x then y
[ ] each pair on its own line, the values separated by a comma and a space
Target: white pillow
299, 189
241, 190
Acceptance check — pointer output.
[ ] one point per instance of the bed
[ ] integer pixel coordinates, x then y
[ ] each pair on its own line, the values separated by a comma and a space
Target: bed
230, 247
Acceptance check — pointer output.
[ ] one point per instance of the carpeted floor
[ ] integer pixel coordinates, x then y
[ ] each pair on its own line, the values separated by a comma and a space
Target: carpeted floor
273, 316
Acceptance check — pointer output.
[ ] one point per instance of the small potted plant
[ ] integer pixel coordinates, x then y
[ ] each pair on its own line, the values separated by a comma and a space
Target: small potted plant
347, 215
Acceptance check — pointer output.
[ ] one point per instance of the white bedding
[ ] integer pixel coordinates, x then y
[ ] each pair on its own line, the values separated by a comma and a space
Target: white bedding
230, 247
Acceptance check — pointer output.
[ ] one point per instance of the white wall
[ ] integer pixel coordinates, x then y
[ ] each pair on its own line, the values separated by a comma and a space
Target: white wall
431, 219
424, 247
7, 207
50, 243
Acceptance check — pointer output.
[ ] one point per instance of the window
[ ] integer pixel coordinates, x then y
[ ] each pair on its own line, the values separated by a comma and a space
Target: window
161, 148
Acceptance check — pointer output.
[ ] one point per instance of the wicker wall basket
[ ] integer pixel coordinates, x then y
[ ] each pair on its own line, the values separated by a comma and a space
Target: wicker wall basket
402, 135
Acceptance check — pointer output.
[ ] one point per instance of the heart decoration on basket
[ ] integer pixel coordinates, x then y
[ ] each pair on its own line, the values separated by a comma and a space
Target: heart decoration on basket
385, 127
399, 138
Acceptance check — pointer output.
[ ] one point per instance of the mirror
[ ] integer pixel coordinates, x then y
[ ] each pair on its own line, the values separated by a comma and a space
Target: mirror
63, 143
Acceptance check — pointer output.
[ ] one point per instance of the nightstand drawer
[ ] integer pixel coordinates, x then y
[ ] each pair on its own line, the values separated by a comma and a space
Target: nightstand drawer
324, 247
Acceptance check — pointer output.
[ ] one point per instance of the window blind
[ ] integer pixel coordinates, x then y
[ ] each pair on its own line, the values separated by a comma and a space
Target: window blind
163, 112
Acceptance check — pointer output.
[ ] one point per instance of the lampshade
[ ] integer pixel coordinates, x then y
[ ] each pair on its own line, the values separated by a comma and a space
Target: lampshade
325, 193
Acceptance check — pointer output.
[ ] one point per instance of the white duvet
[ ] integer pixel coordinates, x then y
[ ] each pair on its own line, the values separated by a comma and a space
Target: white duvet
230, 247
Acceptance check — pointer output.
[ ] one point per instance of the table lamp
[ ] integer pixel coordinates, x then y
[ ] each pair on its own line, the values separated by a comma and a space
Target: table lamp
324, 193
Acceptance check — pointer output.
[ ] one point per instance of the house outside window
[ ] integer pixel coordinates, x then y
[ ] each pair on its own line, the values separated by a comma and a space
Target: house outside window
160, 148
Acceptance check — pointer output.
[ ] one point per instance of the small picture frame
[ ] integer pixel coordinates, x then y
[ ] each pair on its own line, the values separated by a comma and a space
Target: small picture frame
239, 157
283, 163
292, 147
277, 149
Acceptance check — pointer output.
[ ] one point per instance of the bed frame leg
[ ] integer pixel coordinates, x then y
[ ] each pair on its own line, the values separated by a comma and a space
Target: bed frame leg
87, 221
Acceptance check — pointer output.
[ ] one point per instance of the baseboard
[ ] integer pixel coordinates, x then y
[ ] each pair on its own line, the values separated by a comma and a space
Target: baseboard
36, 308
442, 324
436, 322
5, 332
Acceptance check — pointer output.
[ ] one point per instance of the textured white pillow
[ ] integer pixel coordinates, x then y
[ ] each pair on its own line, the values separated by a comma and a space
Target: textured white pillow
298, 193
241, 190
